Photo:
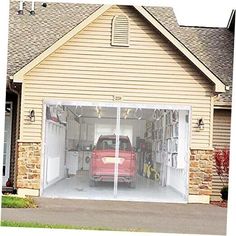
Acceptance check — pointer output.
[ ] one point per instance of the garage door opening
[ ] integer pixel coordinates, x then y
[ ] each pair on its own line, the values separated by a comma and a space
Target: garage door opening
116, 151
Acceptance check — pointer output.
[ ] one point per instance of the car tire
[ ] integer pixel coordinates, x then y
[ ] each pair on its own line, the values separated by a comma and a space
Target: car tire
132, 184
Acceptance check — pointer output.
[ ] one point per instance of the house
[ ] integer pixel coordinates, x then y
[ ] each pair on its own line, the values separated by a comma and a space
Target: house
79, 71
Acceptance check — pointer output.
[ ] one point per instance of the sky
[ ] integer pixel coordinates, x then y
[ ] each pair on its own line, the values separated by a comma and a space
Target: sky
208, 13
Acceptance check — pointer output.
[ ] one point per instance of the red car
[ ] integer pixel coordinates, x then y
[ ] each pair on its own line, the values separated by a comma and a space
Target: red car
102, 162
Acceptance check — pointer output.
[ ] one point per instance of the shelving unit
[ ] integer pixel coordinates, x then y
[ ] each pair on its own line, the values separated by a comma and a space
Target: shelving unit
172, 137
164, 136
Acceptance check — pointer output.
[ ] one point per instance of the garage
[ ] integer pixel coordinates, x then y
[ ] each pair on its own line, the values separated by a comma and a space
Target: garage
106, 119
115, 151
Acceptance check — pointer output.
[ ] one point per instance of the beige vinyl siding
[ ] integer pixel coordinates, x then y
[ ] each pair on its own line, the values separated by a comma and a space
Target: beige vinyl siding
88, 68
221, 139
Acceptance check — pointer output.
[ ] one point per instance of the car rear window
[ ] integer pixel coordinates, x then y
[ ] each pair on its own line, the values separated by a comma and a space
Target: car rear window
110, 143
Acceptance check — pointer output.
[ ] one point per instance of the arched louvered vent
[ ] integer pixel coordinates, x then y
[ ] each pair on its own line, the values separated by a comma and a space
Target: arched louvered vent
120, 31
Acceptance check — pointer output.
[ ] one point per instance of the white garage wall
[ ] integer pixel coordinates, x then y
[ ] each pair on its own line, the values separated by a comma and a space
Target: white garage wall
132, 128
177, 177
107, 129
54, 153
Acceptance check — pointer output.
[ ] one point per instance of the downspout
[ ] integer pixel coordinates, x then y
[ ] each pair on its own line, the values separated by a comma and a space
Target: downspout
13, 90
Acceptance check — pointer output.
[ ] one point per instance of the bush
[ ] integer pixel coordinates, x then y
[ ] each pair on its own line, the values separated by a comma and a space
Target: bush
222, 169
224, 193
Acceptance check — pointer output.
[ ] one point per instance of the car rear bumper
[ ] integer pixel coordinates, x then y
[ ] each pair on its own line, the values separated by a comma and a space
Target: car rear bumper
110, 178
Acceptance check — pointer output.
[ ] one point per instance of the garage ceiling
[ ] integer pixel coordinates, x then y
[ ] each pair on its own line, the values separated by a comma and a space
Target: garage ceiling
110, 112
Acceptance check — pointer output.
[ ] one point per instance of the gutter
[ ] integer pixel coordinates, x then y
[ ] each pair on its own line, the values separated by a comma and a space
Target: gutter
13, 90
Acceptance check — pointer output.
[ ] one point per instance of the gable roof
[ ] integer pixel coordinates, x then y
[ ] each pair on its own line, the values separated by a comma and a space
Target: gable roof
29, 36
212, 46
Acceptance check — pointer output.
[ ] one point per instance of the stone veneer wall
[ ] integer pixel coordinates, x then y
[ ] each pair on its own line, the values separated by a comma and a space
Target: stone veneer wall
29, 158
28, 165
200, 172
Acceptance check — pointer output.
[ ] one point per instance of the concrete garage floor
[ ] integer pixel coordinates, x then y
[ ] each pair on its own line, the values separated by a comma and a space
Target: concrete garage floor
117, 215
77, 187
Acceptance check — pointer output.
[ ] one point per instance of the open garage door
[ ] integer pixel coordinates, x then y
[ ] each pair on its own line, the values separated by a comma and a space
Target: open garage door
160, 148
116, 151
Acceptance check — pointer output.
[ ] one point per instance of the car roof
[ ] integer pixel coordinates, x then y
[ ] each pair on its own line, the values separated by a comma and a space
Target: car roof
113, 137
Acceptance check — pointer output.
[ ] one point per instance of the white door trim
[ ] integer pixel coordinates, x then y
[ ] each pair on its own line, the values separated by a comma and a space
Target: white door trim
117, 105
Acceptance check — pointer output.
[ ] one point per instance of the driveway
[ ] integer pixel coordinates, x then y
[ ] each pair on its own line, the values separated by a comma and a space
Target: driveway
121, 215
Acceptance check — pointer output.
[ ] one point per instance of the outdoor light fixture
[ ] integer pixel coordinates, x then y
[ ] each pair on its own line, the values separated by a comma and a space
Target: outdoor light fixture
31, 115
200, 124
138, 113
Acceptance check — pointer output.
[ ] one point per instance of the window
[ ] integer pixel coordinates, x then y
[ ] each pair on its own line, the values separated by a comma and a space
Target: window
108, 142
120, 31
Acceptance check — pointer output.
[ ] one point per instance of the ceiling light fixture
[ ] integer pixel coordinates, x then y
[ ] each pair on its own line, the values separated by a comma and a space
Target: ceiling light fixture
138, 113
79, 111
126, 113
99, 111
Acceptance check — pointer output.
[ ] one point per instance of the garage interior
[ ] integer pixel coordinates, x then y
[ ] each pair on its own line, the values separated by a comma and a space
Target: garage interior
159, 140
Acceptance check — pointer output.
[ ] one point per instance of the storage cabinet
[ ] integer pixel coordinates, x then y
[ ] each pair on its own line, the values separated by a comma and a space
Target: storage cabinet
73, 128
72, 162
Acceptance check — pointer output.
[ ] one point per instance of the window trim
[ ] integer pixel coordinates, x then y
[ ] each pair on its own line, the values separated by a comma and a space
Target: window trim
113, 32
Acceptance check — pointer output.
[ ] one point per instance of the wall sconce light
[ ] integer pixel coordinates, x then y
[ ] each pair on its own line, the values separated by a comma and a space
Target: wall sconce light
200, 124
31, 116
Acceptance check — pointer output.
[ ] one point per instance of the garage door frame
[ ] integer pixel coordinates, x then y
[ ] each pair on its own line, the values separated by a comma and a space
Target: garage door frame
115, 104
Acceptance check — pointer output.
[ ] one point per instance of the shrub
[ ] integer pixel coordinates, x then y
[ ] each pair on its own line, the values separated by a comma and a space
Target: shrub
222, 168
224, 193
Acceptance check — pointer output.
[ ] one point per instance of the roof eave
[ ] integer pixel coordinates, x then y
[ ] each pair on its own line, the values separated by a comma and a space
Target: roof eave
232, 15
18, 76
219, 85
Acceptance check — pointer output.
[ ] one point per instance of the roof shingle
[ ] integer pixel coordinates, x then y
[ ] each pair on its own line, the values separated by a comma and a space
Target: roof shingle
29, 36
212, 46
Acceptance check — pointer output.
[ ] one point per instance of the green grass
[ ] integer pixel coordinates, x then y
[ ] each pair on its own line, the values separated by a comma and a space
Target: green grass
56, 226
17, 202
